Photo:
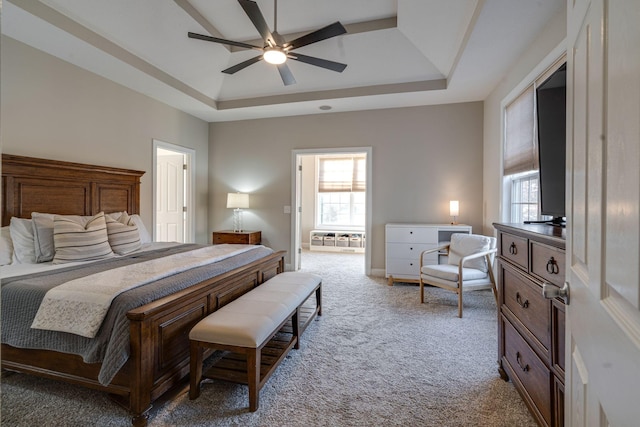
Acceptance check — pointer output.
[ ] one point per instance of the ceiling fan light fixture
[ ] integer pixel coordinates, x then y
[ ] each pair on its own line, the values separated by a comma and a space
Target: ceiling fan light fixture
274, 56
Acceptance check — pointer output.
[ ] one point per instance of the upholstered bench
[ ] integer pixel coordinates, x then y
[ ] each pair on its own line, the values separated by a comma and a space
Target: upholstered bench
247, 325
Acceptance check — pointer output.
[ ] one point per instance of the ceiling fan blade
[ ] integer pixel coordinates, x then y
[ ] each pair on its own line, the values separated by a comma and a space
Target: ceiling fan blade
285, 73
242, 65
222, 41
327, 32
253, 12
324, 63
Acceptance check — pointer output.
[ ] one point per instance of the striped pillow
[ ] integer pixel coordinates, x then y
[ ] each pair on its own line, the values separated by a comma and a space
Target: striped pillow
123, 234
77, 239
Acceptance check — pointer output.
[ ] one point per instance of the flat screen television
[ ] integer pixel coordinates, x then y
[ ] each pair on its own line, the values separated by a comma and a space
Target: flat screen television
551, 102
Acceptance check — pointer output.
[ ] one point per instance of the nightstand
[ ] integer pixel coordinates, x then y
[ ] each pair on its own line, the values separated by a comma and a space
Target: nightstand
241, 237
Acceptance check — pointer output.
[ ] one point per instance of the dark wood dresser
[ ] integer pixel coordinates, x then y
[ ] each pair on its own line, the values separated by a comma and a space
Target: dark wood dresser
530, 327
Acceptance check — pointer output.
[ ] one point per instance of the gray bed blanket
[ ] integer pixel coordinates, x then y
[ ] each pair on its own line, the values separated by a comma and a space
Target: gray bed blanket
21, 297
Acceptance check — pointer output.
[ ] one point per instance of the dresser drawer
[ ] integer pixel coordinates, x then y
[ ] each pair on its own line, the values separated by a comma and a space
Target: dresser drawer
412, 235
403, 267
409, 251
525, 300
548, 263
530, 370
515, 249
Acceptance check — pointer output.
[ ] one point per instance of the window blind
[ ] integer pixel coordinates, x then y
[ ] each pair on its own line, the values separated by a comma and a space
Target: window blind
520, 151
341, 174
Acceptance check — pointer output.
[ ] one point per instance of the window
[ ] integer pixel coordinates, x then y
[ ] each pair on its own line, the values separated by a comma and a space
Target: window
521, 177
520, 158
341, 191
524, 197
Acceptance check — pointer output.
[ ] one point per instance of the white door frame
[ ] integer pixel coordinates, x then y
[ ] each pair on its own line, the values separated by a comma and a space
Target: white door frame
189, 197
296, 244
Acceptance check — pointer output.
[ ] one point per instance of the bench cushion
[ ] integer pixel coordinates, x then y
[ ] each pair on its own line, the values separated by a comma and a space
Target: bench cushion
251, 319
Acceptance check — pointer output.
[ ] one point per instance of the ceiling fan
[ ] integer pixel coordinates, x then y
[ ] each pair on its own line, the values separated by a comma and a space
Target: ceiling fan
276, 50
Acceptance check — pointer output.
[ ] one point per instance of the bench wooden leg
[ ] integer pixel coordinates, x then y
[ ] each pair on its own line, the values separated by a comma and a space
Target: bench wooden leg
253, 377
319, 299
295, 323
196, 370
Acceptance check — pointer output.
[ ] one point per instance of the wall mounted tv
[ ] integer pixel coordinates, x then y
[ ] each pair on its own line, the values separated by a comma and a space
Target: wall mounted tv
551, 101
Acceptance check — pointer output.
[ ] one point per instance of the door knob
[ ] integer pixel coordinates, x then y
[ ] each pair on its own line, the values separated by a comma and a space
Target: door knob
551, 291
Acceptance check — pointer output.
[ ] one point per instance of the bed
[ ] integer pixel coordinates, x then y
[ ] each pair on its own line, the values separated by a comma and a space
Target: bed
158, 344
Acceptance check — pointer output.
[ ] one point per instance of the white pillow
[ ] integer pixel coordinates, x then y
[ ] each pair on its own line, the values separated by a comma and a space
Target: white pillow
145, 237
123, 234
22, 237
43, 236
77, 240
6, 246
467, 244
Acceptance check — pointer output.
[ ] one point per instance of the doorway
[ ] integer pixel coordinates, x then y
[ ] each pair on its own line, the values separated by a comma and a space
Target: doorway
173, 177
306, 213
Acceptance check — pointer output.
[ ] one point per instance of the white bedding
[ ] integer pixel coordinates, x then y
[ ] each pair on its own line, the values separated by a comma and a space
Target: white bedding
12, 270
92, 295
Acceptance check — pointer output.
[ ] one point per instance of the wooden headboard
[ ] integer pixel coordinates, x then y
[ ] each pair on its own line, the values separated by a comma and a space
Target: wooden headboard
50, 186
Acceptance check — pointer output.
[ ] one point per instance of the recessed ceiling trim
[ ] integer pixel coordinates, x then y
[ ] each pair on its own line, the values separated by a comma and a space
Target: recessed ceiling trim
353, 28
420, 86
197, 16
467, 36
72, 27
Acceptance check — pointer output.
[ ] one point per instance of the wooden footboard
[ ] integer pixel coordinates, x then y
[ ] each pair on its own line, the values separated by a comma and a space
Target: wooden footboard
159, 340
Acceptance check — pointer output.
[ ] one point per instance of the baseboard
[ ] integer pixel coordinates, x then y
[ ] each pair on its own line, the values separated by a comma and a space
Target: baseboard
378, 272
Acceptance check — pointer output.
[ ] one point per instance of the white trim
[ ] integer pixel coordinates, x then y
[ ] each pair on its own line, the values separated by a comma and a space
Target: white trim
190, 232
295, 217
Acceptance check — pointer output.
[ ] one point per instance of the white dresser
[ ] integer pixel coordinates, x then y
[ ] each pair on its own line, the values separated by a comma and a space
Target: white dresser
405, 242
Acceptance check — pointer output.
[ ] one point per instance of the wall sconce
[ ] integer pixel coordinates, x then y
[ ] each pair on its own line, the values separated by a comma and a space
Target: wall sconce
237, 202
454, 210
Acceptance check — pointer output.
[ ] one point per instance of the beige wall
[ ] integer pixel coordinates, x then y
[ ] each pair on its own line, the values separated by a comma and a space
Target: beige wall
53, 109
422, 158
547, 47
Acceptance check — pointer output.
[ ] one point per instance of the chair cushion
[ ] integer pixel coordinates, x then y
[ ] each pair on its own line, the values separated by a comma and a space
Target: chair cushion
450, 272
468, 244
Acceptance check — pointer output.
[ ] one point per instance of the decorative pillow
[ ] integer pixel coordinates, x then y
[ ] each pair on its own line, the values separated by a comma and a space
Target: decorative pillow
6, 246
21, 232
123, 234
467, 244
77, 240
43, 236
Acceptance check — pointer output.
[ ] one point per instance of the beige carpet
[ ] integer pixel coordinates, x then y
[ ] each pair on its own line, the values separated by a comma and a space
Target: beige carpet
376, 357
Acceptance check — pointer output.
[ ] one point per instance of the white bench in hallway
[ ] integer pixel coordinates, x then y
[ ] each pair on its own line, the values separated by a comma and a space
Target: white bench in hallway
247, 325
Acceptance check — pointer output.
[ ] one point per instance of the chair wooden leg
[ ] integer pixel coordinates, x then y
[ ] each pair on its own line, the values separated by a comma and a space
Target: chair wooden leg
421, 292
460, 303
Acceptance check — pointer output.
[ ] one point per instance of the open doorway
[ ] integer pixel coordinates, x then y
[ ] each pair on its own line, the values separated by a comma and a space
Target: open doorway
173, 177
331, 191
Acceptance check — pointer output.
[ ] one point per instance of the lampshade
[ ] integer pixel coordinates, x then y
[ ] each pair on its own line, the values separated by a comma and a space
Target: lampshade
454, 208
237, 200
274, 56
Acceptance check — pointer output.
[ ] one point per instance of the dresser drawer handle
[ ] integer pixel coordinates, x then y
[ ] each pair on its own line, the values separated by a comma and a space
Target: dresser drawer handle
513, 248
525, 368
522, 304
552, 266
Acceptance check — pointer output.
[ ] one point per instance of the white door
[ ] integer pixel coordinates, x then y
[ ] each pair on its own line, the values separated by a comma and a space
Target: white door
170, 197
602, 383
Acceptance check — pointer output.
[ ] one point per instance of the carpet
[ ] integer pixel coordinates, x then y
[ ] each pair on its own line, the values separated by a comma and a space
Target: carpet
375, 357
